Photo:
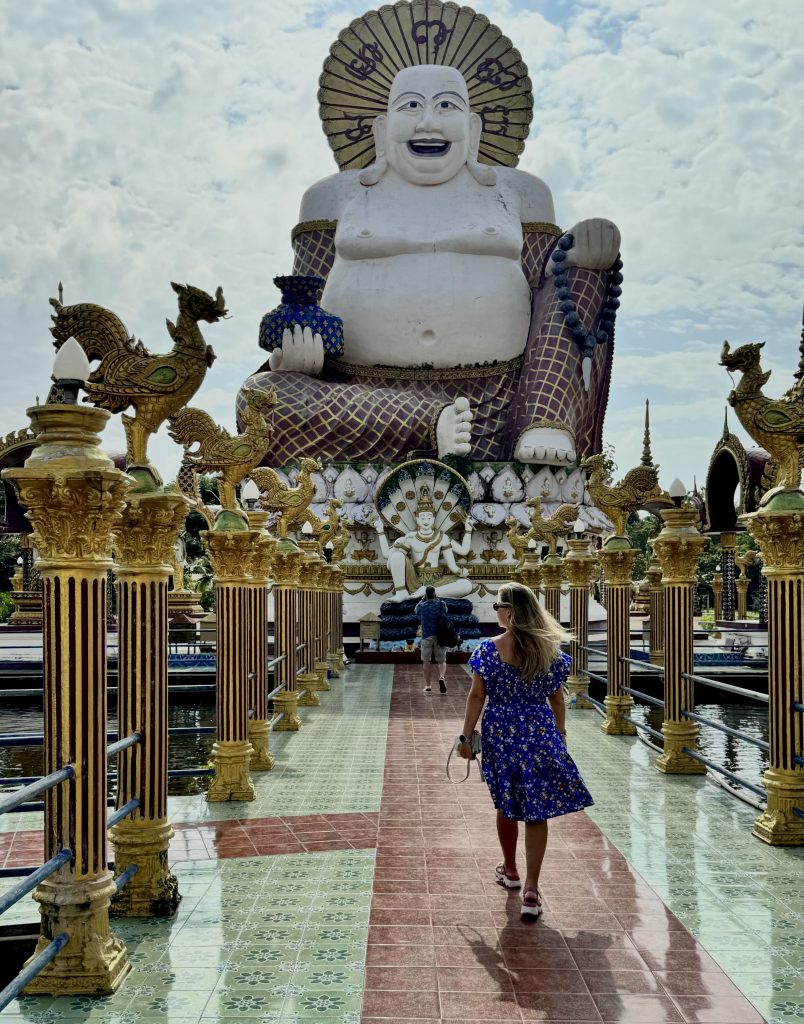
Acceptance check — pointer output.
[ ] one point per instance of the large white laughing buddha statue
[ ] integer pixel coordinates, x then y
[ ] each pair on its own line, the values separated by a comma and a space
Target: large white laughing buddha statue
472, 324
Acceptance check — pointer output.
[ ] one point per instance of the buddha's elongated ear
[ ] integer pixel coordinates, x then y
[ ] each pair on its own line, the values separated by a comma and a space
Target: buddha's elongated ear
372, 174
482, 173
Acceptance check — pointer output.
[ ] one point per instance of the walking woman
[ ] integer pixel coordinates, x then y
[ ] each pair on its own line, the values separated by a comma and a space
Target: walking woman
530, 775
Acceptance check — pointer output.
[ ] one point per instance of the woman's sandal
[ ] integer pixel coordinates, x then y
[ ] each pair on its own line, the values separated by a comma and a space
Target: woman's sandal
531, 904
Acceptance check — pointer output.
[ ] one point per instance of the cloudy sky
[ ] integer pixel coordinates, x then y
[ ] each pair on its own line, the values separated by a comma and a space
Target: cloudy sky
147, 141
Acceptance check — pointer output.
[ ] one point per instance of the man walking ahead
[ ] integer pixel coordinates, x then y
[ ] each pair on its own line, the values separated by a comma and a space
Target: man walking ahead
430, 611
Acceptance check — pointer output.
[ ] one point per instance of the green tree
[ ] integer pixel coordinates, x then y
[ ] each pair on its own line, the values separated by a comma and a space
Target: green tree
640, 529
9, 553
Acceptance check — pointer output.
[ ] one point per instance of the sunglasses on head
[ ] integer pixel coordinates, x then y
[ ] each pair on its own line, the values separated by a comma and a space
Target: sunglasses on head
497, 606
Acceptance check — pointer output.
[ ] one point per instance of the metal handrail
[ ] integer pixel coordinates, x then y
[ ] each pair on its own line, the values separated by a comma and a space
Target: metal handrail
124, 744
276, 661
12, 800
600, 707
50, 867
20, 780
300, 647
645, 665
592, 675
275, 691
728, 687
32, 968
644, 727
123, 812
738, 734
275, 720
643, 696
725, 771
125, 877
21, 741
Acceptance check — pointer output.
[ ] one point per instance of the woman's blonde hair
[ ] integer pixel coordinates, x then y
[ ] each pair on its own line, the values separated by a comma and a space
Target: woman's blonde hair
536, 635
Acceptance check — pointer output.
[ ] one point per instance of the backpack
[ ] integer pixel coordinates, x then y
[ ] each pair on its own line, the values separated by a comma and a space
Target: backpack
447, 634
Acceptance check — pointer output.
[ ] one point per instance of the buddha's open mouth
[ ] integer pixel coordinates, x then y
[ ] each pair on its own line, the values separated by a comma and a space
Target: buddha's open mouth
429, 147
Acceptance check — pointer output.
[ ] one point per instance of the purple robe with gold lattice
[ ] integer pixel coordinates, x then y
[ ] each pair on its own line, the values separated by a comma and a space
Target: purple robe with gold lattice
380, 414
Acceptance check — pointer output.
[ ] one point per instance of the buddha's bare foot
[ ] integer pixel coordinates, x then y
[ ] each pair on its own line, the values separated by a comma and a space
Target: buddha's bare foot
549, 445
454, 429
301, 352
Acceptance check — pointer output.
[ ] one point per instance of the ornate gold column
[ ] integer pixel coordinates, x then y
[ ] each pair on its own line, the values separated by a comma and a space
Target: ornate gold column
259, 725
529, 570
286, 566
654, 575
230, 553
144, 542
307, 681
321, 624
678, 548
717, 591
778, 527
579, 564
74, 496
741, 583
728, 543
337, 577
552, 578
617, 559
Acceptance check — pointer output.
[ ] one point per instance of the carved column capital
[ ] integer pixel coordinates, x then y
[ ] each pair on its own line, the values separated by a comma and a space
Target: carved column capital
779, 530
146, 535
286, 563
229, 552
616, 558
679, 546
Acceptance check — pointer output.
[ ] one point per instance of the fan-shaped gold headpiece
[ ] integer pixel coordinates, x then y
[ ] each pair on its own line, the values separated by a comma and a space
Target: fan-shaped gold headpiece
357, 76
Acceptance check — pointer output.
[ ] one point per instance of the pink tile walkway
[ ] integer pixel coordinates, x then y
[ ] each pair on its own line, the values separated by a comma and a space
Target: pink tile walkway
447, 944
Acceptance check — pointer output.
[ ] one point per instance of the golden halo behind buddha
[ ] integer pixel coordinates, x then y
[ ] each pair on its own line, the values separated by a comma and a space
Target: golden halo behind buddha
364, 59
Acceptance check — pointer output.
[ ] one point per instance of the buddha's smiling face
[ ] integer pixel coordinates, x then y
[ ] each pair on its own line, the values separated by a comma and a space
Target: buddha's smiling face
430, 128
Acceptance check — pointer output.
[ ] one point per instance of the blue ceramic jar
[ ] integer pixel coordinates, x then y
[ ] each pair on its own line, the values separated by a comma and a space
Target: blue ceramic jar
299, 306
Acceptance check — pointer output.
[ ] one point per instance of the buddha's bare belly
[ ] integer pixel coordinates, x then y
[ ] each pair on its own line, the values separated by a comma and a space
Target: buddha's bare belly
446, 309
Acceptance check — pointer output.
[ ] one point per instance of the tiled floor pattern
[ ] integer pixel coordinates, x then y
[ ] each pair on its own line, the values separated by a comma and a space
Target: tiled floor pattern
275, 940
246, 837
333, 765
250, 936
691, 841
446, 943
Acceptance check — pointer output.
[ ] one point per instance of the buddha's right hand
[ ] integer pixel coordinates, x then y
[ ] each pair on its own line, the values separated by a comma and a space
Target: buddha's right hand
301, 352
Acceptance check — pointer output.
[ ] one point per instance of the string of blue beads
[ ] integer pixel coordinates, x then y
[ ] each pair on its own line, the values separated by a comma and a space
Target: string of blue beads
586, 340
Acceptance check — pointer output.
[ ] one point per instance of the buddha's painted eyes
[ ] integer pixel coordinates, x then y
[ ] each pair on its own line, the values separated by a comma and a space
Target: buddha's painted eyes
412, 105
446, 105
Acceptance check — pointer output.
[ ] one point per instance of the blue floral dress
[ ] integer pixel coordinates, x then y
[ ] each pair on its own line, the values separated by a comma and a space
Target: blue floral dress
529, 773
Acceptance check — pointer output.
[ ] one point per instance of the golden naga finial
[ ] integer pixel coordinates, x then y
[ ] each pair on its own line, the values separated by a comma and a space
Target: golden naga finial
158, 386
292, 503
777, 425
233, 457
548, 529
638, 487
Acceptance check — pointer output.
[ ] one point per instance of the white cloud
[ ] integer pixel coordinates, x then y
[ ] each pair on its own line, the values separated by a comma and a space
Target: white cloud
145, 142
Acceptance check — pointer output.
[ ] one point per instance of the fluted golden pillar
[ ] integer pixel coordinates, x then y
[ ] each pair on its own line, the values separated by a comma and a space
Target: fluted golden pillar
717, 591
728, 544
286, 566
74, 496
529, 570
654, 575
230, 552
259, 725
741, 584
617, 560
678, 548
579, 565
552, 578
321, 625
152, 520
307, 681
336, 576
778, 527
